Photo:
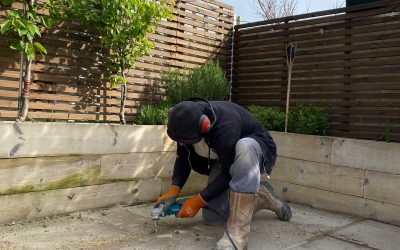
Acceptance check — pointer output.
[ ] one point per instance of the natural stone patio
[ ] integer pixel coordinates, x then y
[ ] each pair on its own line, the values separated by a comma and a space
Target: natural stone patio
130, 227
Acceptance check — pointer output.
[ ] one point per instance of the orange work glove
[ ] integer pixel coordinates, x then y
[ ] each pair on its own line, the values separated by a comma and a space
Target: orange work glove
169, 198
191, 207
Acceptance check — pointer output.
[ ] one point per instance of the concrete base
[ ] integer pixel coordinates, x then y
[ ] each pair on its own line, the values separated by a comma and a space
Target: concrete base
130, 227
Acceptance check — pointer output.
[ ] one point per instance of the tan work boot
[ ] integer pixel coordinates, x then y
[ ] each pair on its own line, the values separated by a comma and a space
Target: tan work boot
241, 208
267, 199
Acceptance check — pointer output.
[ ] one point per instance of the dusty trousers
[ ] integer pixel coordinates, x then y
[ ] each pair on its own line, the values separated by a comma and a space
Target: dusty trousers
246, 171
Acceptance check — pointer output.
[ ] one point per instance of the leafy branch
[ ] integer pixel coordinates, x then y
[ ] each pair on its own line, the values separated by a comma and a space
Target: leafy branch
25, 24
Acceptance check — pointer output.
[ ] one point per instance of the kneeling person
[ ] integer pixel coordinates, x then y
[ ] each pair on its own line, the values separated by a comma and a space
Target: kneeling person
222, 140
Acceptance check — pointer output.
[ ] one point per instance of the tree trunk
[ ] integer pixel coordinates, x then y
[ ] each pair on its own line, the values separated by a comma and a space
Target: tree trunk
123, 99
23, 112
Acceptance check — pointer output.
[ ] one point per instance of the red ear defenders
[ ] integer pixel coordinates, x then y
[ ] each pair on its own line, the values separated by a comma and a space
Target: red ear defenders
205, 124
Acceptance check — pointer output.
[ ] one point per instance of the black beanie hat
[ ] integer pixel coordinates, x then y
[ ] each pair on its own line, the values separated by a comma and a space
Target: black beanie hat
183, 123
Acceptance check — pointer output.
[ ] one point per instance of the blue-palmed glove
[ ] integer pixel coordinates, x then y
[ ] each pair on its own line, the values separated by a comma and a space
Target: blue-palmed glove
169, 198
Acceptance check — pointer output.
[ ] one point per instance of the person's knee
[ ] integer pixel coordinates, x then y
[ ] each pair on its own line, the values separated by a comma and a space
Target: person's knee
212, 218
246, 149
245, 170
244, 144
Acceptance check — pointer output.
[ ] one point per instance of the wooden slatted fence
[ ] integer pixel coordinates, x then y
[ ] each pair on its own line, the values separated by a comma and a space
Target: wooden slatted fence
69, 82
347, 61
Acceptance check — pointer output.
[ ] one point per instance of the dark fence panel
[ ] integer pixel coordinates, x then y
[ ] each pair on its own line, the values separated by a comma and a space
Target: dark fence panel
347, 61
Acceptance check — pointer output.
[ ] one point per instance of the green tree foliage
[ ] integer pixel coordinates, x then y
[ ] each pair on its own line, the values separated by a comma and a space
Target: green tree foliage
26, 25
123, 26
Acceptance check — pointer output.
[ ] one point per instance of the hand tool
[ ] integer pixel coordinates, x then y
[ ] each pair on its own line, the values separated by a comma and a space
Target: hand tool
159, 212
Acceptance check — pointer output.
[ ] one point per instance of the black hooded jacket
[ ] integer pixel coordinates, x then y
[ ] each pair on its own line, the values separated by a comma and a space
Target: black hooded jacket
233, 123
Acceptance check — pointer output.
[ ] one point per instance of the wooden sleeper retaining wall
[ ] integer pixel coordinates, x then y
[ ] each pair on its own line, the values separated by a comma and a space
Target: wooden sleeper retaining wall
55, 168
352, 176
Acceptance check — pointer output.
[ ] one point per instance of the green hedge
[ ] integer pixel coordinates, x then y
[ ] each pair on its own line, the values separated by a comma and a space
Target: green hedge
309, 120
271, 118
303, 120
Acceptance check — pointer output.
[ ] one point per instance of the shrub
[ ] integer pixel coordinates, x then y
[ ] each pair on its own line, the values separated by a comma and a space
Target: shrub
309, 120
270, 118
156, 114
303, 120
208, 81
176, 85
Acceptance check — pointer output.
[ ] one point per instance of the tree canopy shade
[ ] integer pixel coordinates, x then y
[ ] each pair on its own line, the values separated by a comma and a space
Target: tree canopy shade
123, 26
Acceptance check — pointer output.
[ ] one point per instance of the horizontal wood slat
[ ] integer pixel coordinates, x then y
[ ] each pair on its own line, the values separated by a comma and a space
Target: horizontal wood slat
318, 33
207, 13
205, 4
69, 82
347, 61
8, 114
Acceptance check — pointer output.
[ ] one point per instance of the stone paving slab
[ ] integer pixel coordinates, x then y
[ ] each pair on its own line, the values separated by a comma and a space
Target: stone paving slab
371, 234
130, 227
329, 243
